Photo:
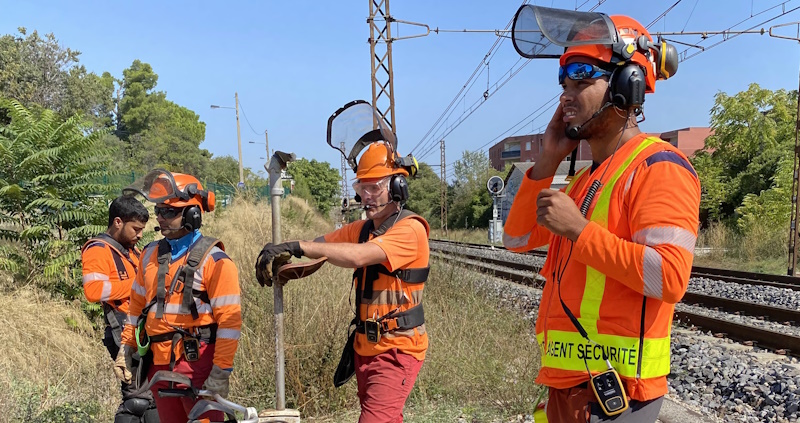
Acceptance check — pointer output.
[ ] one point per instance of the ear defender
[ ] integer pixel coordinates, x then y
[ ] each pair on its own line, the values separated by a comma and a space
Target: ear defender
666, 60
409, 163
627, 87
192, 218
398, 188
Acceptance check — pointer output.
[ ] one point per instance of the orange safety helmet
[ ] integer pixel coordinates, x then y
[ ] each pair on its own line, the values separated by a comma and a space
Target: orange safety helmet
173, 189
629, 31
377, 162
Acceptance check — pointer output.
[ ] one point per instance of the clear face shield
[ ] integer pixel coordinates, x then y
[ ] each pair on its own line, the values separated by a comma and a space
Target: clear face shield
357, 125
157, 186
542, 32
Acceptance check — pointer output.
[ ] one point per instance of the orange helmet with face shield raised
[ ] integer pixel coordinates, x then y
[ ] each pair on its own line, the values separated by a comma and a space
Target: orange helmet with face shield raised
173, 189
377, 162
629, 31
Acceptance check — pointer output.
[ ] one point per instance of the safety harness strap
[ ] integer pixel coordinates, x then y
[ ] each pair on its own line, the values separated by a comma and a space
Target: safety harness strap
366, 276
196, 254
164, 254
118, 252
206, 333
113, 322
415, 275
409, 319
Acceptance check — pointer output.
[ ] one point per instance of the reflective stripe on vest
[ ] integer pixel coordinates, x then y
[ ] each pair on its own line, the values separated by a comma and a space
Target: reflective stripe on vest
567, 350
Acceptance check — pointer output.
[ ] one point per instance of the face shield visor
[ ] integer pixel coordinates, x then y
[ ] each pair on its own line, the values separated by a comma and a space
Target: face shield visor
542, 32
357, 125
157, 186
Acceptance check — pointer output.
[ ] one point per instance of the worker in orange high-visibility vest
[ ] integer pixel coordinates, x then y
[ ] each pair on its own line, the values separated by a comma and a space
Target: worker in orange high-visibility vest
185, 300
109, 263
389, 252
621, 235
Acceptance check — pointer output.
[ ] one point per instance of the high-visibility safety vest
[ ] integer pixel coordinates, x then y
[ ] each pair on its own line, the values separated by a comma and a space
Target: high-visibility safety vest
108, 272
625, 272
209, 309
391, 292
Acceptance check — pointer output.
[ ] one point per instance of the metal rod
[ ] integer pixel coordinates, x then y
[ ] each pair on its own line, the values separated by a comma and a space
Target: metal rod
276, 165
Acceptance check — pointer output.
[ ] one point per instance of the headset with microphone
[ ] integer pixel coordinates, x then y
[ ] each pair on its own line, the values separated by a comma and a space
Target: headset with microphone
191, 219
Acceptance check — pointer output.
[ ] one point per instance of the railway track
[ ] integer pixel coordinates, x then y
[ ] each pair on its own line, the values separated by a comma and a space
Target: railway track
770, 339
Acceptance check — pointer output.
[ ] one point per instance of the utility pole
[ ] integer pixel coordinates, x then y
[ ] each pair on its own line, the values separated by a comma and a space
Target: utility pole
266, 141
239, 140
795, 216
380, 31
443, 191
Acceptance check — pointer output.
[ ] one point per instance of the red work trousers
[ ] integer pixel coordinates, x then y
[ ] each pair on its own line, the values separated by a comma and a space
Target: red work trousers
384, 382
176, 409
579, 405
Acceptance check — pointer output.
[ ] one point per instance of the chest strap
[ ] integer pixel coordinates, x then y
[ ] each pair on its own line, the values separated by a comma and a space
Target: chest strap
409, 319
204, 333
366, 276
195, 257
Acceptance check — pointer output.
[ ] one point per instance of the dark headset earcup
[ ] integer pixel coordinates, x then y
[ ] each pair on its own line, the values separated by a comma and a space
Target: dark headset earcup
667, 62
627, 86
398, 188
192, 218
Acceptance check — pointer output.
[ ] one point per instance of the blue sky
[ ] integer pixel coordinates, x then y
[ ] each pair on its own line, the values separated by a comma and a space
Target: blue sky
294, 63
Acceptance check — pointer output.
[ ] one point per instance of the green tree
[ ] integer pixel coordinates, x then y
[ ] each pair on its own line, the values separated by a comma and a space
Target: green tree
743, 167
36, 70
223, 170
425, 194
49, 202
316, 181
471, 204
159, 133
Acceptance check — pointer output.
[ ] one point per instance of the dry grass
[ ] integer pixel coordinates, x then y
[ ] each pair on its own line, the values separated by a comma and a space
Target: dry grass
50, 358
481, 362
473, 236
491, 350
761, 249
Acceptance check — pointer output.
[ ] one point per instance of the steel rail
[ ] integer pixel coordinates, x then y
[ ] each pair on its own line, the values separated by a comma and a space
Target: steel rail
780, 342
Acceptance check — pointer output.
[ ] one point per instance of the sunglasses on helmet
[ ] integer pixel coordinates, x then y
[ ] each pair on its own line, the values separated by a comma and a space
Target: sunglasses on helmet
168, 212
577, 71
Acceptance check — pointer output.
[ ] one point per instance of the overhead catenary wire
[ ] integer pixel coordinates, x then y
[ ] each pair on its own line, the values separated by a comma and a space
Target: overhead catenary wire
683, 56
476, 72
692, 13
247, 120
427, 144
661, 16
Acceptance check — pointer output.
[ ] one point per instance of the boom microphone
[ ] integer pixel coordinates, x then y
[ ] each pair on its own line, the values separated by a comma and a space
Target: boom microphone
574, 132
367, 206
160, 229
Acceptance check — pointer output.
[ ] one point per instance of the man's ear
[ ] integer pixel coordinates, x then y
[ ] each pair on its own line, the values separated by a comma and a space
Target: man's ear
118, 223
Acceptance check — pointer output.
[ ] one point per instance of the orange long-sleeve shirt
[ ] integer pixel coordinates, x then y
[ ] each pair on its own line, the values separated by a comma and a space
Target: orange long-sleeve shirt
645, 252
102, 281
217, 276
